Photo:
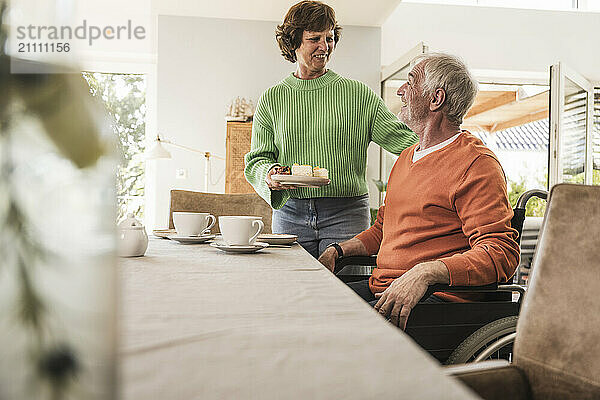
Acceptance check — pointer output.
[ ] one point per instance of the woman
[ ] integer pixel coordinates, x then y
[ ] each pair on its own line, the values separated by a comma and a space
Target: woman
319, 118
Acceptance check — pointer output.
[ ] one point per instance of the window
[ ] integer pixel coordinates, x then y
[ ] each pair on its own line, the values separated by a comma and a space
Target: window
124, 96
573, 133
572, 152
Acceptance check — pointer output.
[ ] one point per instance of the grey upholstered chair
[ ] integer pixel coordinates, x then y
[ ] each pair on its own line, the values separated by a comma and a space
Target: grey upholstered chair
220, 204
557, 347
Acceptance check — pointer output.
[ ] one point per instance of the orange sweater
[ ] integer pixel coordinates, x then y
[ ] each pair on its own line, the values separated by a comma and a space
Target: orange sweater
451, 206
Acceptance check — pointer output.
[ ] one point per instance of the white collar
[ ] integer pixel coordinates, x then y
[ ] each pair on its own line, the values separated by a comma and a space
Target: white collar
418, 154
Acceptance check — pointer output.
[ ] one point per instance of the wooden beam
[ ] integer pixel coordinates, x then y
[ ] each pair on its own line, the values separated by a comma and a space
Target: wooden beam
475, 128
522, 120
495, 102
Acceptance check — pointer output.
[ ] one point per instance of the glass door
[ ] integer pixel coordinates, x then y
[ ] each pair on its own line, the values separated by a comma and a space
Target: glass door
392, 77
571, 127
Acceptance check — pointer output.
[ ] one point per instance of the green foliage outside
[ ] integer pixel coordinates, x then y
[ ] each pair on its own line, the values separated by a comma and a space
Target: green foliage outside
579, 178
124, 96
535, 207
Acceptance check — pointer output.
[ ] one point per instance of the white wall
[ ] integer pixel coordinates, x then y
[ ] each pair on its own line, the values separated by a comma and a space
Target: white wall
497, 38
203, 63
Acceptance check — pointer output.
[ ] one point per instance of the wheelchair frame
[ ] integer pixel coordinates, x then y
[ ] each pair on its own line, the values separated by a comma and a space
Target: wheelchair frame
443, 328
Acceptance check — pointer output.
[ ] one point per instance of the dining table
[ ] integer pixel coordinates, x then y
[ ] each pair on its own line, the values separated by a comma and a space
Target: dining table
196, 322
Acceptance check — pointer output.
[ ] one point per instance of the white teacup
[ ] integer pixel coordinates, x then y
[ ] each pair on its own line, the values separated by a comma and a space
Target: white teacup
240, 230
192, 223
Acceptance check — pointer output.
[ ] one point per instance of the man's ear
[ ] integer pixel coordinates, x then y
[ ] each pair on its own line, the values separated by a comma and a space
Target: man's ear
437, 100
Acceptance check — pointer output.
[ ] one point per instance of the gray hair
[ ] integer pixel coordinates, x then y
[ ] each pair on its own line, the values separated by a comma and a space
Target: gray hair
448, 72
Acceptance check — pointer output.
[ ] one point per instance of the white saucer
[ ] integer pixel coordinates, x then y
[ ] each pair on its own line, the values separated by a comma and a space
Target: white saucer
299, 180
164, 233
277, 238
240, 249
192, 239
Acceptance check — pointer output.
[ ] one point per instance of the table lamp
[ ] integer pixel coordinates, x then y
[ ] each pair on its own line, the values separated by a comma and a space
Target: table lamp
158, 151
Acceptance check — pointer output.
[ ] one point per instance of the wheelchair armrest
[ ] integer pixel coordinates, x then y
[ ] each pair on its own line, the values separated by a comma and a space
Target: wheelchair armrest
492, 287
439, 287
341, 262
354, 260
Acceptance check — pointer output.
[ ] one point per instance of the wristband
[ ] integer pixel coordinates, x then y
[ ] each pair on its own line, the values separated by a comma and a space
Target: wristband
337, 248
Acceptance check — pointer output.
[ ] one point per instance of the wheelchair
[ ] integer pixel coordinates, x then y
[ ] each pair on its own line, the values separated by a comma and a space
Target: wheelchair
460, 332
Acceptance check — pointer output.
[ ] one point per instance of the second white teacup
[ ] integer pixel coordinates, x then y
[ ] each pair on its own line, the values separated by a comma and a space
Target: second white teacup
192, 223
240, 230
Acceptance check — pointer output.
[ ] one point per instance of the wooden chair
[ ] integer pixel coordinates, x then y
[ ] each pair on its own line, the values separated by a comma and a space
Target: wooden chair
219, 204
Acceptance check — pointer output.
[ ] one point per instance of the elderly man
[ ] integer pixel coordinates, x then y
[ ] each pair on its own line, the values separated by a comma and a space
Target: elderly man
446, 217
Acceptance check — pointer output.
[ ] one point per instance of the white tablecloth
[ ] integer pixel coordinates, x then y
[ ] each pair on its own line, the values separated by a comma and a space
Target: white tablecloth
197, 323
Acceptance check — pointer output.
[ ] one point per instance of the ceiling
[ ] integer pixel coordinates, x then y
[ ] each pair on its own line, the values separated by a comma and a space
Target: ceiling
348, 12
498, 110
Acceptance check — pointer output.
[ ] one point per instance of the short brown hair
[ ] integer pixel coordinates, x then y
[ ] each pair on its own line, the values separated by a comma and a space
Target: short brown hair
312, 16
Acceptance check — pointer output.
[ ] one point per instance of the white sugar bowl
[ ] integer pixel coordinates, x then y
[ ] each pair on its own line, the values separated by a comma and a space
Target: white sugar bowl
132, 239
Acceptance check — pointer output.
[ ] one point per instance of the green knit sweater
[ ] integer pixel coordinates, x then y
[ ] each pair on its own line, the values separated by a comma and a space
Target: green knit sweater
326, 122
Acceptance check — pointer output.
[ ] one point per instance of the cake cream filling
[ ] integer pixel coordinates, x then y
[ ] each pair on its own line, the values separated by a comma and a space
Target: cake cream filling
302, 170
308, 170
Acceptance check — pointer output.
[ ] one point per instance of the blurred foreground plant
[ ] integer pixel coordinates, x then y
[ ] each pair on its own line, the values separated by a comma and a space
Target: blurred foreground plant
61, 104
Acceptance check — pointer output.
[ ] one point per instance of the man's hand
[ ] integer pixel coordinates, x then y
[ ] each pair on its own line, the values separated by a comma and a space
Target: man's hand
398, 300
352, 247
328, 258
276, 185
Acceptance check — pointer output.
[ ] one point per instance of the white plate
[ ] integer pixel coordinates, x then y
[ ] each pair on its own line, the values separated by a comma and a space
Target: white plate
192, 239
298, 180
277, 238
240, 249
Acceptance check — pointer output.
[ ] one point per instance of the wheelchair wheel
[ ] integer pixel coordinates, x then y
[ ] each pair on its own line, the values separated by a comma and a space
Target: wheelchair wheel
492, 341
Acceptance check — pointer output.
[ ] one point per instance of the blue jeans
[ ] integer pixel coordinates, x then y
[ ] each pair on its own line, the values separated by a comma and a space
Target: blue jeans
321, 221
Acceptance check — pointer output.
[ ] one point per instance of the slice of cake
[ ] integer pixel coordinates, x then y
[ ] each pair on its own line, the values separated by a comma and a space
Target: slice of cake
320, 172
302, 170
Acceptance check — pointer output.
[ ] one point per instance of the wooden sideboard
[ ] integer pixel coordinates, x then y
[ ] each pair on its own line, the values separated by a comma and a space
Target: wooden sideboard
237, 144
